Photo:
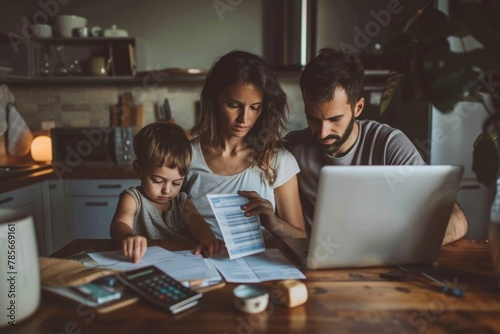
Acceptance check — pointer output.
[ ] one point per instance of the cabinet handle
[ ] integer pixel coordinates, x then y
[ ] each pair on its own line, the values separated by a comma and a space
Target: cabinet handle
96, 203
6, 200
471, 187
109, 186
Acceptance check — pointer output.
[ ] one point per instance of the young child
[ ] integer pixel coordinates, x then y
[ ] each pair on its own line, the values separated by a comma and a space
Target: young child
156, 209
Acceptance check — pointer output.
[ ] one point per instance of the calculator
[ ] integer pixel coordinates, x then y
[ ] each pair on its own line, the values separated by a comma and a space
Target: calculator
160, 288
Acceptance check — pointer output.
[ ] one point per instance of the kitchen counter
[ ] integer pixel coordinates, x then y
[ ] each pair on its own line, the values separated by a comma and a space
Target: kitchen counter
112, 172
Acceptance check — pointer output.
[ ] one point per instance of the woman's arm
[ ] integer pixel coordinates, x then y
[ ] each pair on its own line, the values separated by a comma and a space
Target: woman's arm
289, 223
201, 231
133, 245
457, 225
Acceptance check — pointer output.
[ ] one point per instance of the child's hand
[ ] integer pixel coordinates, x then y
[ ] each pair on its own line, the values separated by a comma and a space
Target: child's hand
134, 247
212, 246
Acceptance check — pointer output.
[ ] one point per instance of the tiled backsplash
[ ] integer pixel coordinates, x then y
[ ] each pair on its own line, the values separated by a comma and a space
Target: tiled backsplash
89, 105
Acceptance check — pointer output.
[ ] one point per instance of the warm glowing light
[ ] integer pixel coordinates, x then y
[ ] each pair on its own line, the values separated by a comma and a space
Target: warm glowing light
41, 148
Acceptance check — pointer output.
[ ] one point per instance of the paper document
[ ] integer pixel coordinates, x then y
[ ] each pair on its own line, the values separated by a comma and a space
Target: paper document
181, 266
241, 234
268, 266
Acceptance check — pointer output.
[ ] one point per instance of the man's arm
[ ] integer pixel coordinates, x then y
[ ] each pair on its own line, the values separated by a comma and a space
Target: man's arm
457, 226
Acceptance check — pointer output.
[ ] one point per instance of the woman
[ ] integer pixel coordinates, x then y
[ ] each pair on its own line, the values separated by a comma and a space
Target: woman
238, 146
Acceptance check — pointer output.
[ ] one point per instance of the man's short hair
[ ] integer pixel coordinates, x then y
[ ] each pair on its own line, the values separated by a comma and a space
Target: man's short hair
332, 69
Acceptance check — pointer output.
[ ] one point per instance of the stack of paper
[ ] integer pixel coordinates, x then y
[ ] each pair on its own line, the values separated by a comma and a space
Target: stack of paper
196, 271
268, 266
183, 266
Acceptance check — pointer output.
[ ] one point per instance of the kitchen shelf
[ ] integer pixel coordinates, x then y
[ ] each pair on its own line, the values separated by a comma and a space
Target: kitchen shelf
83, 40
140, 80
57, 59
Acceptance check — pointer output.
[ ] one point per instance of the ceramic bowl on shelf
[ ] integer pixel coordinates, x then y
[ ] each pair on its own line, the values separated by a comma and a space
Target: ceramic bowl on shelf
67, 25
43, 30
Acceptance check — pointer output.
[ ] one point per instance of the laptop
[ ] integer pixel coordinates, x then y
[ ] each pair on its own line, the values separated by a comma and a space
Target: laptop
379, 215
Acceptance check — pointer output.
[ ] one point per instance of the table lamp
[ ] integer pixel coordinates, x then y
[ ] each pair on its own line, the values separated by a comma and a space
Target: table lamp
41, 148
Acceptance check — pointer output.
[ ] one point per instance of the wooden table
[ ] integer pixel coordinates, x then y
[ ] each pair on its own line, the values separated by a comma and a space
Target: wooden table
340, 301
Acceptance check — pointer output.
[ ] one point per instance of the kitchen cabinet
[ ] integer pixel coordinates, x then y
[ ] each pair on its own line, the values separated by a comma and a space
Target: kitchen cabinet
69, 59
28, 199
90, 206
53, 196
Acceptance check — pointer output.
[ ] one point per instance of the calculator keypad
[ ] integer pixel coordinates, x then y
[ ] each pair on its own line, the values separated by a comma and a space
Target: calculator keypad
160, 288
163, 289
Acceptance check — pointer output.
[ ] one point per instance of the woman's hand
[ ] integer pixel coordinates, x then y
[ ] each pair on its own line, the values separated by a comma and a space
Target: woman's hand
134, 247
212, 246
258, 206
287, 222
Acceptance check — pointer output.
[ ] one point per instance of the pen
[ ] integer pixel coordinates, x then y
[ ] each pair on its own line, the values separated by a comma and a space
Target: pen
446, 288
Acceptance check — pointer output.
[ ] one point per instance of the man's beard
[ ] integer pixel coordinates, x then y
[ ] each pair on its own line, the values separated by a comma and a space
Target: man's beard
333, 148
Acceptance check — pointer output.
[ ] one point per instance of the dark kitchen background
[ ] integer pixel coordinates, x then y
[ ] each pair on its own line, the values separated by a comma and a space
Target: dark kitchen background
192, 34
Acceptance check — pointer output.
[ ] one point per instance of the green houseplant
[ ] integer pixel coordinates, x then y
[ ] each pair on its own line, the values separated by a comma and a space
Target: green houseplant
423, 64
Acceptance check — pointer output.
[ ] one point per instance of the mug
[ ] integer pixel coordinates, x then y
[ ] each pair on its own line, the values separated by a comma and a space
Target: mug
98, 66
82, 31
250, 298
20, 283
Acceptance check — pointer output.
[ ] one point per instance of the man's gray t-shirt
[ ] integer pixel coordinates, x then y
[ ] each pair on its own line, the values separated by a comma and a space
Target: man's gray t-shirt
377, 144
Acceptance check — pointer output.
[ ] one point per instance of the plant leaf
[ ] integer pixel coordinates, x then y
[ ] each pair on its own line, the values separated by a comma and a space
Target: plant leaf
449, 77
482, 20
486, 158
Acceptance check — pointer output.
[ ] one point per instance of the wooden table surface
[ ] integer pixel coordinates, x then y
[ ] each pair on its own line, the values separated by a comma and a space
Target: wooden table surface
340, 301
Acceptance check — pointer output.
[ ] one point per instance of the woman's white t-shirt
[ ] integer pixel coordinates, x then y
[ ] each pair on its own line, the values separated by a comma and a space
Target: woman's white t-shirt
200, 181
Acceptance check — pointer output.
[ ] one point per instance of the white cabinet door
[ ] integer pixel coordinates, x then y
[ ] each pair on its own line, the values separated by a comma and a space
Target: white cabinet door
57, 207
90, 206
28, 199
89, 217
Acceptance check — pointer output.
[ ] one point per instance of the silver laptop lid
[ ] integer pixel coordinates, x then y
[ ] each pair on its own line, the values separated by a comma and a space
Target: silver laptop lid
381, 215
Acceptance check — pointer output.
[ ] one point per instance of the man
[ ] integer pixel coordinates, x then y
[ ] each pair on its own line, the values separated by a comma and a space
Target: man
331, 84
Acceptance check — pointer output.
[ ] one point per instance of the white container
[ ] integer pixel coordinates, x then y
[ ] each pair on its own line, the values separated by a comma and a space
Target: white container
20, 283
66, 24
43, 31
114, 32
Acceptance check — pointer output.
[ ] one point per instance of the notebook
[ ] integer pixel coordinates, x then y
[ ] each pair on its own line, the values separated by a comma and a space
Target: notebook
379, 215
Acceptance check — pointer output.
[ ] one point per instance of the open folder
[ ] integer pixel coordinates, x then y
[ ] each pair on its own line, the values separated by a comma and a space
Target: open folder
62, 277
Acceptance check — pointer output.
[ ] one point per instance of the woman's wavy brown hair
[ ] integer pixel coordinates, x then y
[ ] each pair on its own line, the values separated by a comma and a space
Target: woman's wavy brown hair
266, 135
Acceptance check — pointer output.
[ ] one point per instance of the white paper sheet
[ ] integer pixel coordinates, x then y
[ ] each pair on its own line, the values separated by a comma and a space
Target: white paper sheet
241, 234
180, 266
267, 266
